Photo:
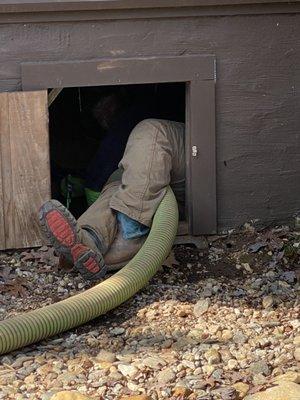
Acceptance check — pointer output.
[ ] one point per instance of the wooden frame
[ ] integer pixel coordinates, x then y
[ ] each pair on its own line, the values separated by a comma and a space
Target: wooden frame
198, 72
72, 5
65, 10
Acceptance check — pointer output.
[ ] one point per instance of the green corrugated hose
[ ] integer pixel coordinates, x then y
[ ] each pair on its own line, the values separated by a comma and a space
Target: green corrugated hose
39, 324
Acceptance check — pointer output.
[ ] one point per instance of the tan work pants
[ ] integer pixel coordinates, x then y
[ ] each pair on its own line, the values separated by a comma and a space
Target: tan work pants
153, 159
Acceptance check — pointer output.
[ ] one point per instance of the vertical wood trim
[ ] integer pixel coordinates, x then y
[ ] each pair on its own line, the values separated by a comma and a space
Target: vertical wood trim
188, 182
4, 132
29, 144
202, 167
6, 171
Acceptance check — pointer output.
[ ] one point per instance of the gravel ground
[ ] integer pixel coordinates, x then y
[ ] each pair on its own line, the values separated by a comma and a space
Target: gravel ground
222, 323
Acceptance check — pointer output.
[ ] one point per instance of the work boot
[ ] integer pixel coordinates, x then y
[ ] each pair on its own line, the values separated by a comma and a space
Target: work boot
119, 254
122, 251
60, 227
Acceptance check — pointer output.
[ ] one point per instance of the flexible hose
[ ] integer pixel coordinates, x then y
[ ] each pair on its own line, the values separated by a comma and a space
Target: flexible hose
39, 324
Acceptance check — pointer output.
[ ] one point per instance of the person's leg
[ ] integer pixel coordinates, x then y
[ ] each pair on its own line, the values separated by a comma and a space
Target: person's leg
154, 148
98, 223
92, 244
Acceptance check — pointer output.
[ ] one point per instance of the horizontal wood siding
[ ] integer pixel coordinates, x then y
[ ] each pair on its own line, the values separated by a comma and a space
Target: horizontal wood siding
14, 6
257, 124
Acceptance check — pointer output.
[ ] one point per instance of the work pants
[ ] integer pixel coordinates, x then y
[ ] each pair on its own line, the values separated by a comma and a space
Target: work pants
153, 159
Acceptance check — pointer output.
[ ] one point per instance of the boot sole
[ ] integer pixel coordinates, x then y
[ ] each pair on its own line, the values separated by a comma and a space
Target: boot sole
60, 227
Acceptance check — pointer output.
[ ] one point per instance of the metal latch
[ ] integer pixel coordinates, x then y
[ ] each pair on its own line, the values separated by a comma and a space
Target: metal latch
194, 151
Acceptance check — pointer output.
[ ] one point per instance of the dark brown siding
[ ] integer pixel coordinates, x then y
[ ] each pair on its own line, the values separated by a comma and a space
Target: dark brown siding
258, 123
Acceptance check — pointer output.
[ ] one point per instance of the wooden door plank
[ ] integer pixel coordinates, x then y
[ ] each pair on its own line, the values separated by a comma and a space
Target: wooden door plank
30, 171
4, 135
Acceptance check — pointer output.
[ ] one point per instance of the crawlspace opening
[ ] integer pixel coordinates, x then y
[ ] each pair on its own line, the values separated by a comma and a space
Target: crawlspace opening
80, 118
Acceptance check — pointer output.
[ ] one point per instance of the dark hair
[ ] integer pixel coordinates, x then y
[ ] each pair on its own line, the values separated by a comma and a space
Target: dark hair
109, 104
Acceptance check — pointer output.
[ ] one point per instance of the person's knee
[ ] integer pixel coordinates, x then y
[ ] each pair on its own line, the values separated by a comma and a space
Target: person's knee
149, 126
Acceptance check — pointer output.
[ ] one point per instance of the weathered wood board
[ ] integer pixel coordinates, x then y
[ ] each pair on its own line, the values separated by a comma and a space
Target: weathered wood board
4, 134
25, 172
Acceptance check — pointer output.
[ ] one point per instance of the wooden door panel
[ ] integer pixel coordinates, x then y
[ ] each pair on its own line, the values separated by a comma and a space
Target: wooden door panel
25, 166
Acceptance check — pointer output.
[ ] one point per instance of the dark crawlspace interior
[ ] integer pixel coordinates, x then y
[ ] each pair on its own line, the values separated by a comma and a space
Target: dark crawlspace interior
81, 117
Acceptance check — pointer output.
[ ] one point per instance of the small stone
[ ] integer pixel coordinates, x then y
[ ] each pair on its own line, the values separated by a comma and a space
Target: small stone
181, 392
166, 344
196, 334
232, 364
295, 323
296, 341
240, 338
214, 329
242, 389
184, 312
289, 376
288, 276
166, 376
226, 335
44, 248
225, 393
138, 397
46, 396
128, 370
239, 292
183, 342
201, 307
207, 292
258, 379
260, 367
125, 358
103, 365
19, 361
115, 376
117, 331
107, 356
208, 369
69, 395
154, 362
267, 301
133, 387
7, 378
67, 378
212, 356
284, 391
30, 379
6, 360
217, 374
247, 267
297, 354
199, 394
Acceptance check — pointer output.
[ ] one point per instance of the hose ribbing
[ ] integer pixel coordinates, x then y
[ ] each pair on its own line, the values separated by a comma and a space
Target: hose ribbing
39, 324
